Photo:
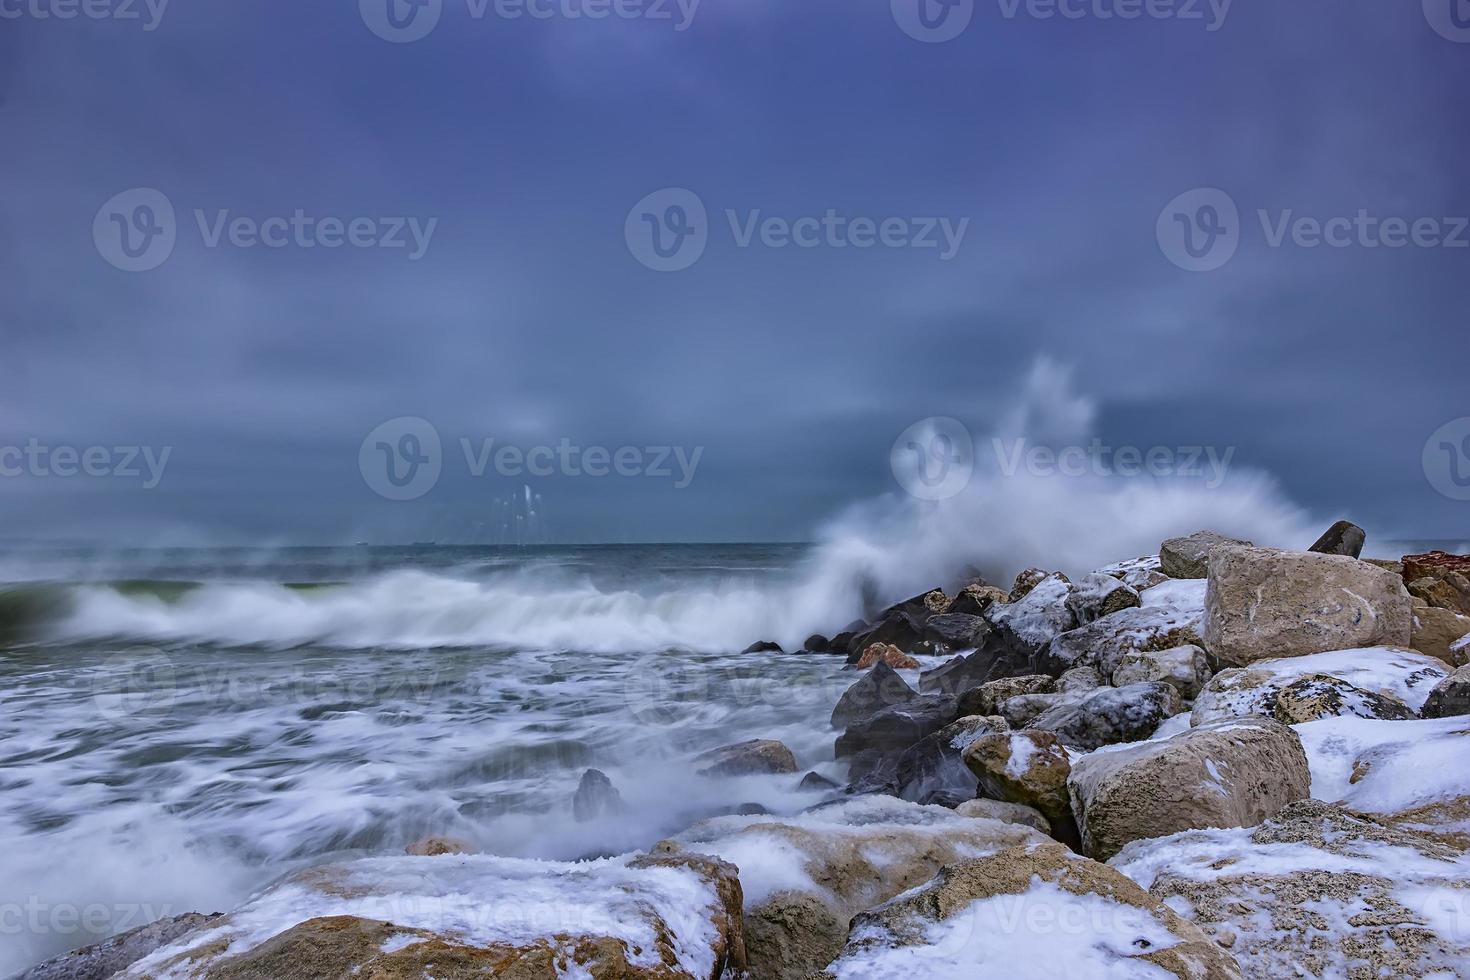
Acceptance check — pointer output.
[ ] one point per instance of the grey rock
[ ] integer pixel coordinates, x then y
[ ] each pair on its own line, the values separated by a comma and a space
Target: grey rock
1112, 715
1451, 697
1100, 595
955, 631
987, 698
878, 689
1186, 668
757, 756
1189, 557
101, 960
596, 797
1342, 538
894, 729
933, 768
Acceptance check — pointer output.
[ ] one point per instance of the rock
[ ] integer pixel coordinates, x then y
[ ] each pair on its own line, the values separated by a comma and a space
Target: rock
1189, 557
999, 915
102, 960
932, 768
1435, 592
1025, 582
1408, 773
817, 643
1028, 767
892, 730
1140, 574
1437, 632
1100, 595
1234, 774
1315, 696
984, 809
1021, 710
596, 797
1185, 668
930, 603
1453, 570
987, 698
649, 918
880, 688
1172, 615
1263, 604
900, 629
1079, 679
1037, 618
886, 653
436, 846
814, 781
763, 646
805, 877
1342, 538
747, 758
975, 600
1316, 891
1451, 697
1400, 676
1110, 715
955, 631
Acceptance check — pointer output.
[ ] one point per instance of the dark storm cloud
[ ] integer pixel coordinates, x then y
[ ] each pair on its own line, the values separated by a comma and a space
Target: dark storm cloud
528, 320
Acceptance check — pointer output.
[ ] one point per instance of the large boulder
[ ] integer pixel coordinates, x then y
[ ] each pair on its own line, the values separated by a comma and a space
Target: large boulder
1451, 697
111, 956
1037, 618
1100, 595
626, 918
805, 877
932, 770
1029, 912
889, 732
1185, 668
886, 653
1172, 615
880, 688
987, 698
1439, 632
1189, 556
976, 600
1317, 891
1230, 775
1383, 677
1342, 538
1443, 579
761, 755
904, 630
1021, 710
1111, 715
1027, 767
1263, 604
955, 631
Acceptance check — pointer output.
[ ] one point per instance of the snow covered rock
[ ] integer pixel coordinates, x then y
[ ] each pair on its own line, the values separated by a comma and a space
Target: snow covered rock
1399, 675
761, 755
1037, 618
1026, 580
1139, 573
1315, 696
1004, 812
1451, 697
1172, 615
932, 770
1028, 913
1111, 715
1264, 604
987, 698
111, 956
1078, 680
1100, 595
1317, 891
1436, 632
1185, 668
620, 918
1189, 557
1409, 772
878, 689
805, 877
1231, 775
1028, 767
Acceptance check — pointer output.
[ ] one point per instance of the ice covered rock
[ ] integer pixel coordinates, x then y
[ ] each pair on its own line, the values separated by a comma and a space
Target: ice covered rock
1022, 709
1264, 604
111, 956
1028, 913
806, 876
932, 769
1409, 772
621, 918
1027, 767
761, 755
1139, 573
1229, 775
1100, 595
1172, 615
1317, 891
1400, 675
1436, 632
1451, 697
1185, 668
1038, 617
1189, 556
878, 689
1315, 696
989, 809
1110, 715
1026, 580
987, 698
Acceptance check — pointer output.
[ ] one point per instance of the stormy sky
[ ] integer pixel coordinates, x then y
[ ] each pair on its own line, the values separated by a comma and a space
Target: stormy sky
530, 152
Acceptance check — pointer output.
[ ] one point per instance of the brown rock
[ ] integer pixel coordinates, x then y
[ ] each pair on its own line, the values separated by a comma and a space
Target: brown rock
747, 758
888, 654
1027, 767
1437, 633
436, 846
